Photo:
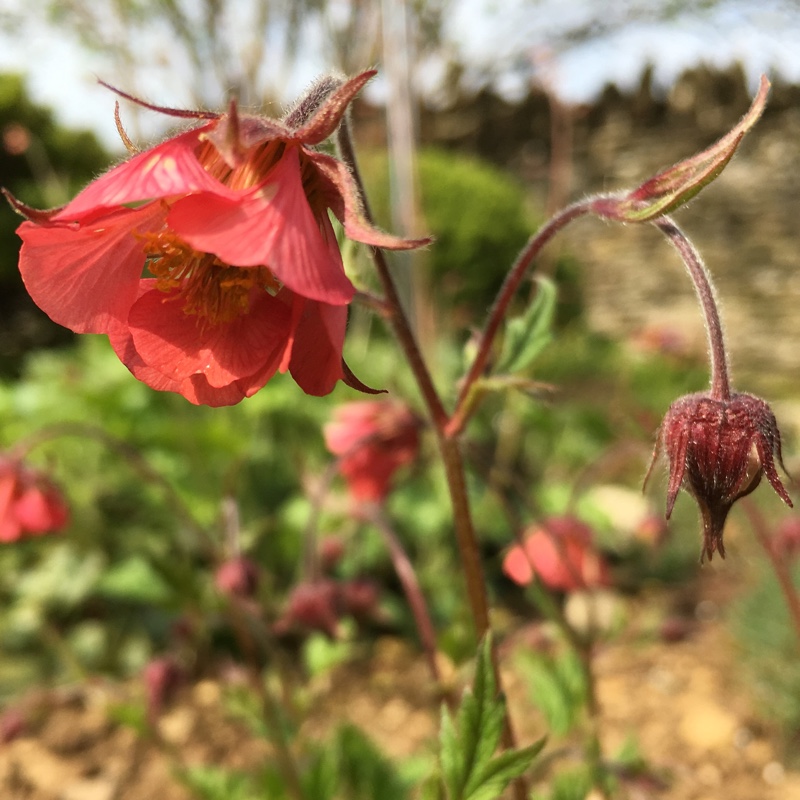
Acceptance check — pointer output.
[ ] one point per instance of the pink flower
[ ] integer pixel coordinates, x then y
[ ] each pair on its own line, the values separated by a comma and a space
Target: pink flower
373, 439
30, 505
210, 260
561, 554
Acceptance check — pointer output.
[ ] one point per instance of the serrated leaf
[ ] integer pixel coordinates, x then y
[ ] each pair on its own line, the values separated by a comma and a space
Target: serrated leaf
450, 755
528, 334
503, 769
469, 766
674, 187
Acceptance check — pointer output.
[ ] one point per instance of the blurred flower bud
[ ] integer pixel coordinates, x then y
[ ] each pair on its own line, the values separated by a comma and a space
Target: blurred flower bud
373, 439
162, 676
359, 598
30, 504
237, 578
311, 607
561, 553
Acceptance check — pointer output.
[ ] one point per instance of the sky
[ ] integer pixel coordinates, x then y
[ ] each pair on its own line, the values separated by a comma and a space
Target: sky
506, 44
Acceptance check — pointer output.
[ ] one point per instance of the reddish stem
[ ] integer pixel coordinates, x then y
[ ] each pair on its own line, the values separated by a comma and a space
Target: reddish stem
701, 278
498, 311
408, 578
448, 445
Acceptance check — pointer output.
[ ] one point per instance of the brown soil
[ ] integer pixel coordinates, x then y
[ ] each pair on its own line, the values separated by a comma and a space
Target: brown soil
682, 700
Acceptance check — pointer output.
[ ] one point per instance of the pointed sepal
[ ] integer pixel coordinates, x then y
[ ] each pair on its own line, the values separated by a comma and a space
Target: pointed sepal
674, 187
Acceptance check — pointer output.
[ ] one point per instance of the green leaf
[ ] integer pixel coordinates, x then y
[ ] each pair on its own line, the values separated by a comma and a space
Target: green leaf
470, 769
134, 580
503, 769
675, 186
528, 334
557, 688
216, 783
572, 785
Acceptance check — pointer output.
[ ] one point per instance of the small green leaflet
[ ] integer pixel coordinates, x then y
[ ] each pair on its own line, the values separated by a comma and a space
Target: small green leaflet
470, 769
528, 334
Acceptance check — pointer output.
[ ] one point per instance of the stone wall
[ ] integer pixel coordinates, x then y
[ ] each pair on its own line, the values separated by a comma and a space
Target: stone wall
746, 225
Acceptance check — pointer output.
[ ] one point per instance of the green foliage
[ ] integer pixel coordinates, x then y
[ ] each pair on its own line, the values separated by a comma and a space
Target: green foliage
477, 214
764, 630
46, 167
215, 783
527, 335
469, 767
348, 765
557, 687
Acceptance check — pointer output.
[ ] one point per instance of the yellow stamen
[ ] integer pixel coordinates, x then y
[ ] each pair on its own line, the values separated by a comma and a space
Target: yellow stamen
212, 290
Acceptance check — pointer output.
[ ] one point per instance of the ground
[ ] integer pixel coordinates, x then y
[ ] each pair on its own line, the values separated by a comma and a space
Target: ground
682, 699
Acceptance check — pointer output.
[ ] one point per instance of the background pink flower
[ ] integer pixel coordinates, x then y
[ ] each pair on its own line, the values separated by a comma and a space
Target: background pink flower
30, 504
373, 439
561, 553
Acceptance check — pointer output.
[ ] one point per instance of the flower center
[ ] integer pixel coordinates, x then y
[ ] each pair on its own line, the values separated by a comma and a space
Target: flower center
211, 289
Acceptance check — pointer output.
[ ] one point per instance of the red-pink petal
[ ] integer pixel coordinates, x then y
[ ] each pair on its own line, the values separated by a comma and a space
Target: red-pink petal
180, 345
166, 170
517, 566
10, 530
195, 389
272, 225
85, 276
316, 363
39, 510
9, 526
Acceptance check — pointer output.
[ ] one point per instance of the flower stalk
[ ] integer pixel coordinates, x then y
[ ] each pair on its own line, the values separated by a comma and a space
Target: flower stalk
701, 279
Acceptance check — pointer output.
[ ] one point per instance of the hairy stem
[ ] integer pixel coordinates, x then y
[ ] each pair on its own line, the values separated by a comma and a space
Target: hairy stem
449, 449
408, 578
498, 311
720, 380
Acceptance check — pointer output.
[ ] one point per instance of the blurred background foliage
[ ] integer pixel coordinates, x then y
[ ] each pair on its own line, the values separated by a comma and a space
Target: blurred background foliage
44, 165
151, 479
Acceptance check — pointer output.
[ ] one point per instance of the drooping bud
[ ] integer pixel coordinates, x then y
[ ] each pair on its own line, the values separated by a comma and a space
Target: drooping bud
237, 578
718, 449
373, 439
161, 677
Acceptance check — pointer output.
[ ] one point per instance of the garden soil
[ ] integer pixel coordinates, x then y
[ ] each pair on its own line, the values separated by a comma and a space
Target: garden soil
677, 693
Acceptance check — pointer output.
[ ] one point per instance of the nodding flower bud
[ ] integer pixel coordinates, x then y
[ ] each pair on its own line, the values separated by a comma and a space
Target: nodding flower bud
237, 578
718, 449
